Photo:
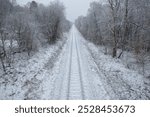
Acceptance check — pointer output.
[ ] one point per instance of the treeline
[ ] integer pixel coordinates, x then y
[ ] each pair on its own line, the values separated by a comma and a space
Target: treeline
119, 24
26, 28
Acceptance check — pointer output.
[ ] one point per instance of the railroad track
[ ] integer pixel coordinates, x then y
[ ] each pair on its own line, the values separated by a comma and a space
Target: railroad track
74, 77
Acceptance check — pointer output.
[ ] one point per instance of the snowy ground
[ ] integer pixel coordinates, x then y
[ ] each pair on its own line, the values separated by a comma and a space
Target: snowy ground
83, 72
21, 80
119, 80
77, 70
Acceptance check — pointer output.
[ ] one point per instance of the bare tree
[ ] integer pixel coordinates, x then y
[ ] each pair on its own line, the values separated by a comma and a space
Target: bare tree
5, 8
52, 21
2, 49
114, 7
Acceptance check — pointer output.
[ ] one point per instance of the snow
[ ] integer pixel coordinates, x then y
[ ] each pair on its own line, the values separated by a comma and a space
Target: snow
72, 69
7, 43
75, 79
23, 76
117, 75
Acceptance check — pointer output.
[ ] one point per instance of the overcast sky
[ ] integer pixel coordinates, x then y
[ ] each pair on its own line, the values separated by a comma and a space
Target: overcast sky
74, 8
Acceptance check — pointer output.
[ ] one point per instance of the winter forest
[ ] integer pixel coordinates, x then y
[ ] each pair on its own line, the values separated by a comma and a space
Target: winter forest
122, 25
103, 55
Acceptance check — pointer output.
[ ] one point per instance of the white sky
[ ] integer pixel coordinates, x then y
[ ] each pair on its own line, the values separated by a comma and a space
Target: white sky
74, 8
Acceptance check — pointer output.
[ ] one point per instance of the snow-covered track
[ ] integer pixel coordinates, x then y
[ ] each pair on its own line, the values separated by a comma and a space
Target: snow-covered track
75, 79
75, 88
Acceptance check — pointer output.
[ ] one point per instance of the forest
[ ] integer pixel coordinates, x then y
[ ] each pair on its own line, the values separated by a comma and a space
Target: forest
118, 25
24, 29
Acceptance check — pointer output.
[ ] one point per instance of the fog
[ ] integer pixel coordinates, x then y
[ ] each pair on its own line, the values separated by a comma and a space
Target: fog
74, 8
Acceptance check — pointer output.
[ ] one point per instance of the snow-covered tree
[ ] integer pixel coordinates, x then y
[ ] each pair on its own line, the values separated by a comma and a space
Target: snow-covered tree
118, 24
27, 26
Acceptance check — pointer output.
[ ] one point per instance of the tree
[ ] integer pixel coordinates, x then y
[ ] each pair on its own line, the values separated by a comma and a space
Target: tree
28, 27
114, 7
33, 6
5, 8
52, 21
2, 49
119, 24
